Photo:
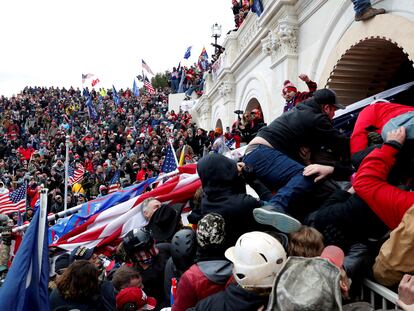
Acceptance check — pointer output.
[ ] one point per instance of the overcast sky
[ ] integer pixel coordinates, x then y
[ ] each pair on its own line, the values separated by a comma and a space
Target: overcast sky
52, 42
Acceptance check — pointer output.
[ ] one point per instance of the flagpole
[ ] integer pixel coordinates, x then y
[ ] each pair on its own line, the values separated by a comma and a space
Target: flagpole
65, 204
173, 151
42, 225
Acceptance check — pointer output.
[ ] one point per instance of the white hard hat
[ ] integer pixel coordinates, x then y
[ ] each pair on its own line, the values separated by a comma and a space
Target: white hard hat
257, 259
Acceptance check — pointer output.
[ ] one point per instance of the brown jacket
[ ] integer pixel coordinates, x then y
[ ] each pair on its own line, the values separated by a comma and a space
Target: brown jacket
396, 256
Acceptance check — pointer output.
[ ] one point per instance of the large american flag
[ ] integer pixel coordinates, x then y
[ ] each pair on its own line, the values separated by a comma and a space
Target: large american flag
14, 201
76, 174
170, 161
114, 182
112, 224
148, 86
146, 67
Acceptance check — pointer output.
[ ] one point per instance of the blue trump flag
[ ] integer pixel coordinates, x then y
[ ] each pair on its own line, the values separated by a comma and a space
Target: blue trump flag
93, 207
135, 89
26, 284
115, 96
188, 53
257, 7
91, 109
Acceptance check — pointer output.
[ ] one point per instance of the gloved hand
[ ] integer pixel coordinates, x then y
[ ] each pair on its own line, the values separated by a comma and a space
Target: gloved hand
374, 139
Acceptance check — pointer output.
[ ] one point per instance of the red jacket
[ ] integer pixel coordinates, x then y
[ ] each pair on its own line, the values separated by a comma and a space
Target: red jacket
376, 115
388, 202
194, 286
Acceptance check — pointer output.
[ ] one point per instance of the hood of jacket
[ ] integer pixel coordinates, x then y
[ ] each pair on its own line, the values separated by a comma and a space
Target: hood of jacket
217, 271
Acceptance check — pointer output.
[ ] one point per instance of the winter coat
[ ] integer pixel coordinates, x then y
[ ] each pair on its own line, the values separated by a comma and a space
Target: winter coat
233, 298
304, 125
301, 96
388, 202
396, 256
225, 194
56, 300
372, 119
200, 281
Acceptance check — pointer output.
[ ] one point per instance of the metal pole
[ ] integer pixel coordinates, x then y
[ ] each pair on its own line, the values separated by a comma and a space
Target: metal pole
65, 202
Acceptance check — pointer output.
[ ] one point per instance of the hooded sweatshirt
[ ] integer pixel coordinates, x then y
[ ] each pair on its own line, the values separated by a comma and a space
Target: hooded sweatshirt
225, 194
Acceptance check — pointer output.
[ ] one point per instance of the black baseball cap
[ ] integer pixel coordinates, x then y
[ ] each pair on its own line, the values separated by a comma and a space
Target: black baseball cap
327, 97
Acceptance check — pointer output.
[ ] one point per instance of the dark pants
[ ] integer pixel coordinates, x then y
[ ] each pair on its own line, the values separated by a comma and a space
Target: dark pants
277, 170
360, 6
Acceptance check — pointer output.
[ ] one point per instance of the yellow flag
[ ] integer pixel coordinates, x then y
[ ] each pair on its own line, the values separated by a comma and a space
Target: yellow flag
182, 156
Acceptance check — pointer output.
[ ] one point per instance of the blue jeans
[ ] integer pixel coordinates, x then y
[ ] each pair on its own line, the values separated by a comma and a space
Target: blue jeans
360, 6
277, 170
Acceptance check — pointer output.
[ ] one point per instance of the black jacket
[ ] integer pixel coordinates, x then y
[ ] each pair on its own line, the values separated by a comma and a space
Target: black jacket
57, 302
304, 125
225, 194
233, 298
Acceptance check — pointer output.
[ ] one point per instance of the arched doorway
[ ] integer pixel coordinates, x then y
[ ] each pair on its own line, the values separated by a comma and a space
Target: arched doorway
253, 104
369, 67
219, 124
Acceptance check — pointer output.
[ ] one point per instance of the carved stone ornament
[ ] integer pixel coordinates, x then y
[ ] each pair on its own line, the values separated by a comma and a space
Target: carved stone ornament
225, 88
281, 41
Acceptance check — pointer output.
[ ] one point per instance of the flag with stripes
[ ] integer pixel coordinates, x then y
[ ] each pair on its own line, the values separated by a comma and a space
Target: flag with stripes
114, 182
148, 86
86, 76
146, 67
13, 201
76, 174
170, 161
109, 226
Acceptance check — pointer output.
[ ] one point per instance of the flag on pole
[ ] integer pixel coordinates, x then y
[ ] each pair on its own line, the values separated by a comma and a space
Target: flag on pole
14, 201
146, 67
115, 96
170, 161
95, 82
26, 284
256, 6
86, 76
135, 89
187, 53
114, 182
148, 86
203, 60
93, 115
76, 174
111, 225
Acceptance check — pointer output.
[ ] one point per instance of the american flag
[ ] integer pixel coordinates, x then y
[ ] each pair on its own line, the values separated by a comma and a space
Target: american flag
146, 67
76, 175
148, 86
114, 182
112, 224
14, 201
170, 161
86, 76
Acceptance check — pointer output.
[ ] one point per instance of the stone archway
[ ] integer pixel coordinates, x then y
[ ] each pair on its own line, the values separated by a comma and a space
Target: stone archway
219, 124
368, 58
370, 67
253, 104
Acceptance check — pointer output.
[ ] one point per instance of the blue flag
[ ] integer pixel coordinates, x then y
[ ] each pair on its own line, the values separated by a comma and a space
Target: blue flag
26, 284
135, 89
115, 96
170, 162
91, 109
257, 7
188, 53
93, 207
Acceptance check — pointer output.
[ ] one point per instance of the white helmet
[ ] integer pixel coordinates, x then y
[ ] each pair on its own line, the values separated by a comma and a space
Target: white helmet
257, 259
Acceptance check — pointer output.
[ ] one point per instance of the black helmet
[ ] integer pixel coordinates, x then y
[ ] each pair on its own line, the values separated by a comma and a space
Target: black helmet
183, 249
138, 240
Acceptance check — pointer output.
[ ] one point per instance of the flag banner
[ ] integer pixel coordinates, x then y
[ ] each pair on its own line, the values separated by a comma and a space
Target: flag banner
203, 60
256, 6
86, 76
146, 67
170, 161
76, 174
95, 82
148, 86
13, 201
187, 53
26, 284
109, 226
90, 208
115, 96
114, 182
135, 89
93, 115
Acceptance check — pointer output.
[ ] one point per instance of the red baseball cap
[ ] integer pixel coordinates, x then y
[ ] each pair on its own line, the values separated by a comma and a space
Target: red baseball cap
136, 296
334, 254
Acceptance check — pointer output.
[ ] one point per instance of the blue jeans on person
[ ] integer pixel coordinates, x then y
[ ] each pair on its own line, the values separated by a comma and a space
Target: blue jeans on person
360, 6
275, 169
174, 85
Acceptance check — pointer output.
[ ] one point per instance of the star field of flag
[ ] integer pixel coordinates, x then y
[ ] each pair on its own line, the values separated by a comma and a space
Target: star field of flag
114, 182
170, 164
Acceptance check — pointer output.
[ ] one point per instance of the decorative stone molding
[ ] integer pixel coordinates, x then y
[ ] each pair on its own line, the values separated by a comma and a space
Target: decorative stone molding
225, 88
248, 33
281, 41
